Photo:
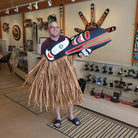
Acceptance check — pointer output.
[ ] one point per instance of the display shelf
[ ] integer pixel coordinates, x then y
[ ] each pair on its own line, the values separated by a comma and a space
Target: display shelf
24, 61
128, 84
119, 111
33, 59
20, 60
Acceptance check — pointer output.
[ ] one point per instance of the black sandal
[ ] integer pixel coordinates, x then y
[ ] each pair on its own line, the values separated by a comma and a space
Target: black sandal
57, 122
74, 121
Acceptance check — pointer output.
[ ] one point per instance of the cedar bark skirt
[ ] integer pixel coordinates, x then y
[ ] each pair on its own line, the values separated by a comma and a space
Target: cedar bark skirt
54, 83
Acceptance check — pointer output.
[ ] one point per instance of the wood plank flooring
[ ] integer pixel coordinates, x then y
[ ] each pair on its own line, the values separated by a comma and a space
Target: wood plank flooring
8, 79
17, 122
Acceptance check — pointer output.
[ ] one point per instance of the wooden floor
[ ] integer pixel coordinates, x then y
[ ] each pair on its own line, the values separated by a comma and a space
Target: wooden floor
8, 79
18, 122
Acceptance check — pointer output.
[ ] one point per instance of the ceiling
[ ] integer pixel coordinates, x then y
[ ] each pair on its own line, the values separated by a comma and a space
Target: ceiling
8, 6
4, 4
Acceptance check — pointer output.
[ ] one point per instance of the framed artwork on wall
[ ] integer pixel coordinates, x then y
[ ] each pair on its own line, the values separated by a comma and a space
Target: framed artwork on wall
6, 27
16, 32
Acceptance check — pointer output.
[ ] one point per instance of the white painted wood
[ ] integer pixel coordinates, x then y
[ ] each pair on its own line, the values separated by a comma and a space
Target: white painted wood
20, 73
121, 112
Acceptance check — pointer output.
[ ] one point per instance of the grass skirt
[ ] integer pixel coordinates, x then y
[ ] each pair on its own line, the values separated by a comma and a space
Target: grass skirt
54, 83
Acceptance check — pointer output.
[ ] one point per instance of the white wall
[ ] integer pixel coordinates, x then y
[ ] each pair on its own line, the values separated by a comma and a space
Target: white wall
17, 20
44, 13
12, 20
122, 15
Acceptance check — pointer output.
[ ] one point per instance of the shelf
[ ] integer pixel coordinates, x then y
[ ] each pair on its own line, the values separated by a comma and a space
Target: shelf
24, 61
124, 113
125, 95
20, 60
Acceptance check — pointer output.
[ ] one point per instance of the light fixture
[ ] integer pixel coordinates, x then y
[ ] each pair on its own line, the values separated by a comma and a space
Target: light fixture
36, 5
73, 0
16, 10
30, 6
49, 2
7, 11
